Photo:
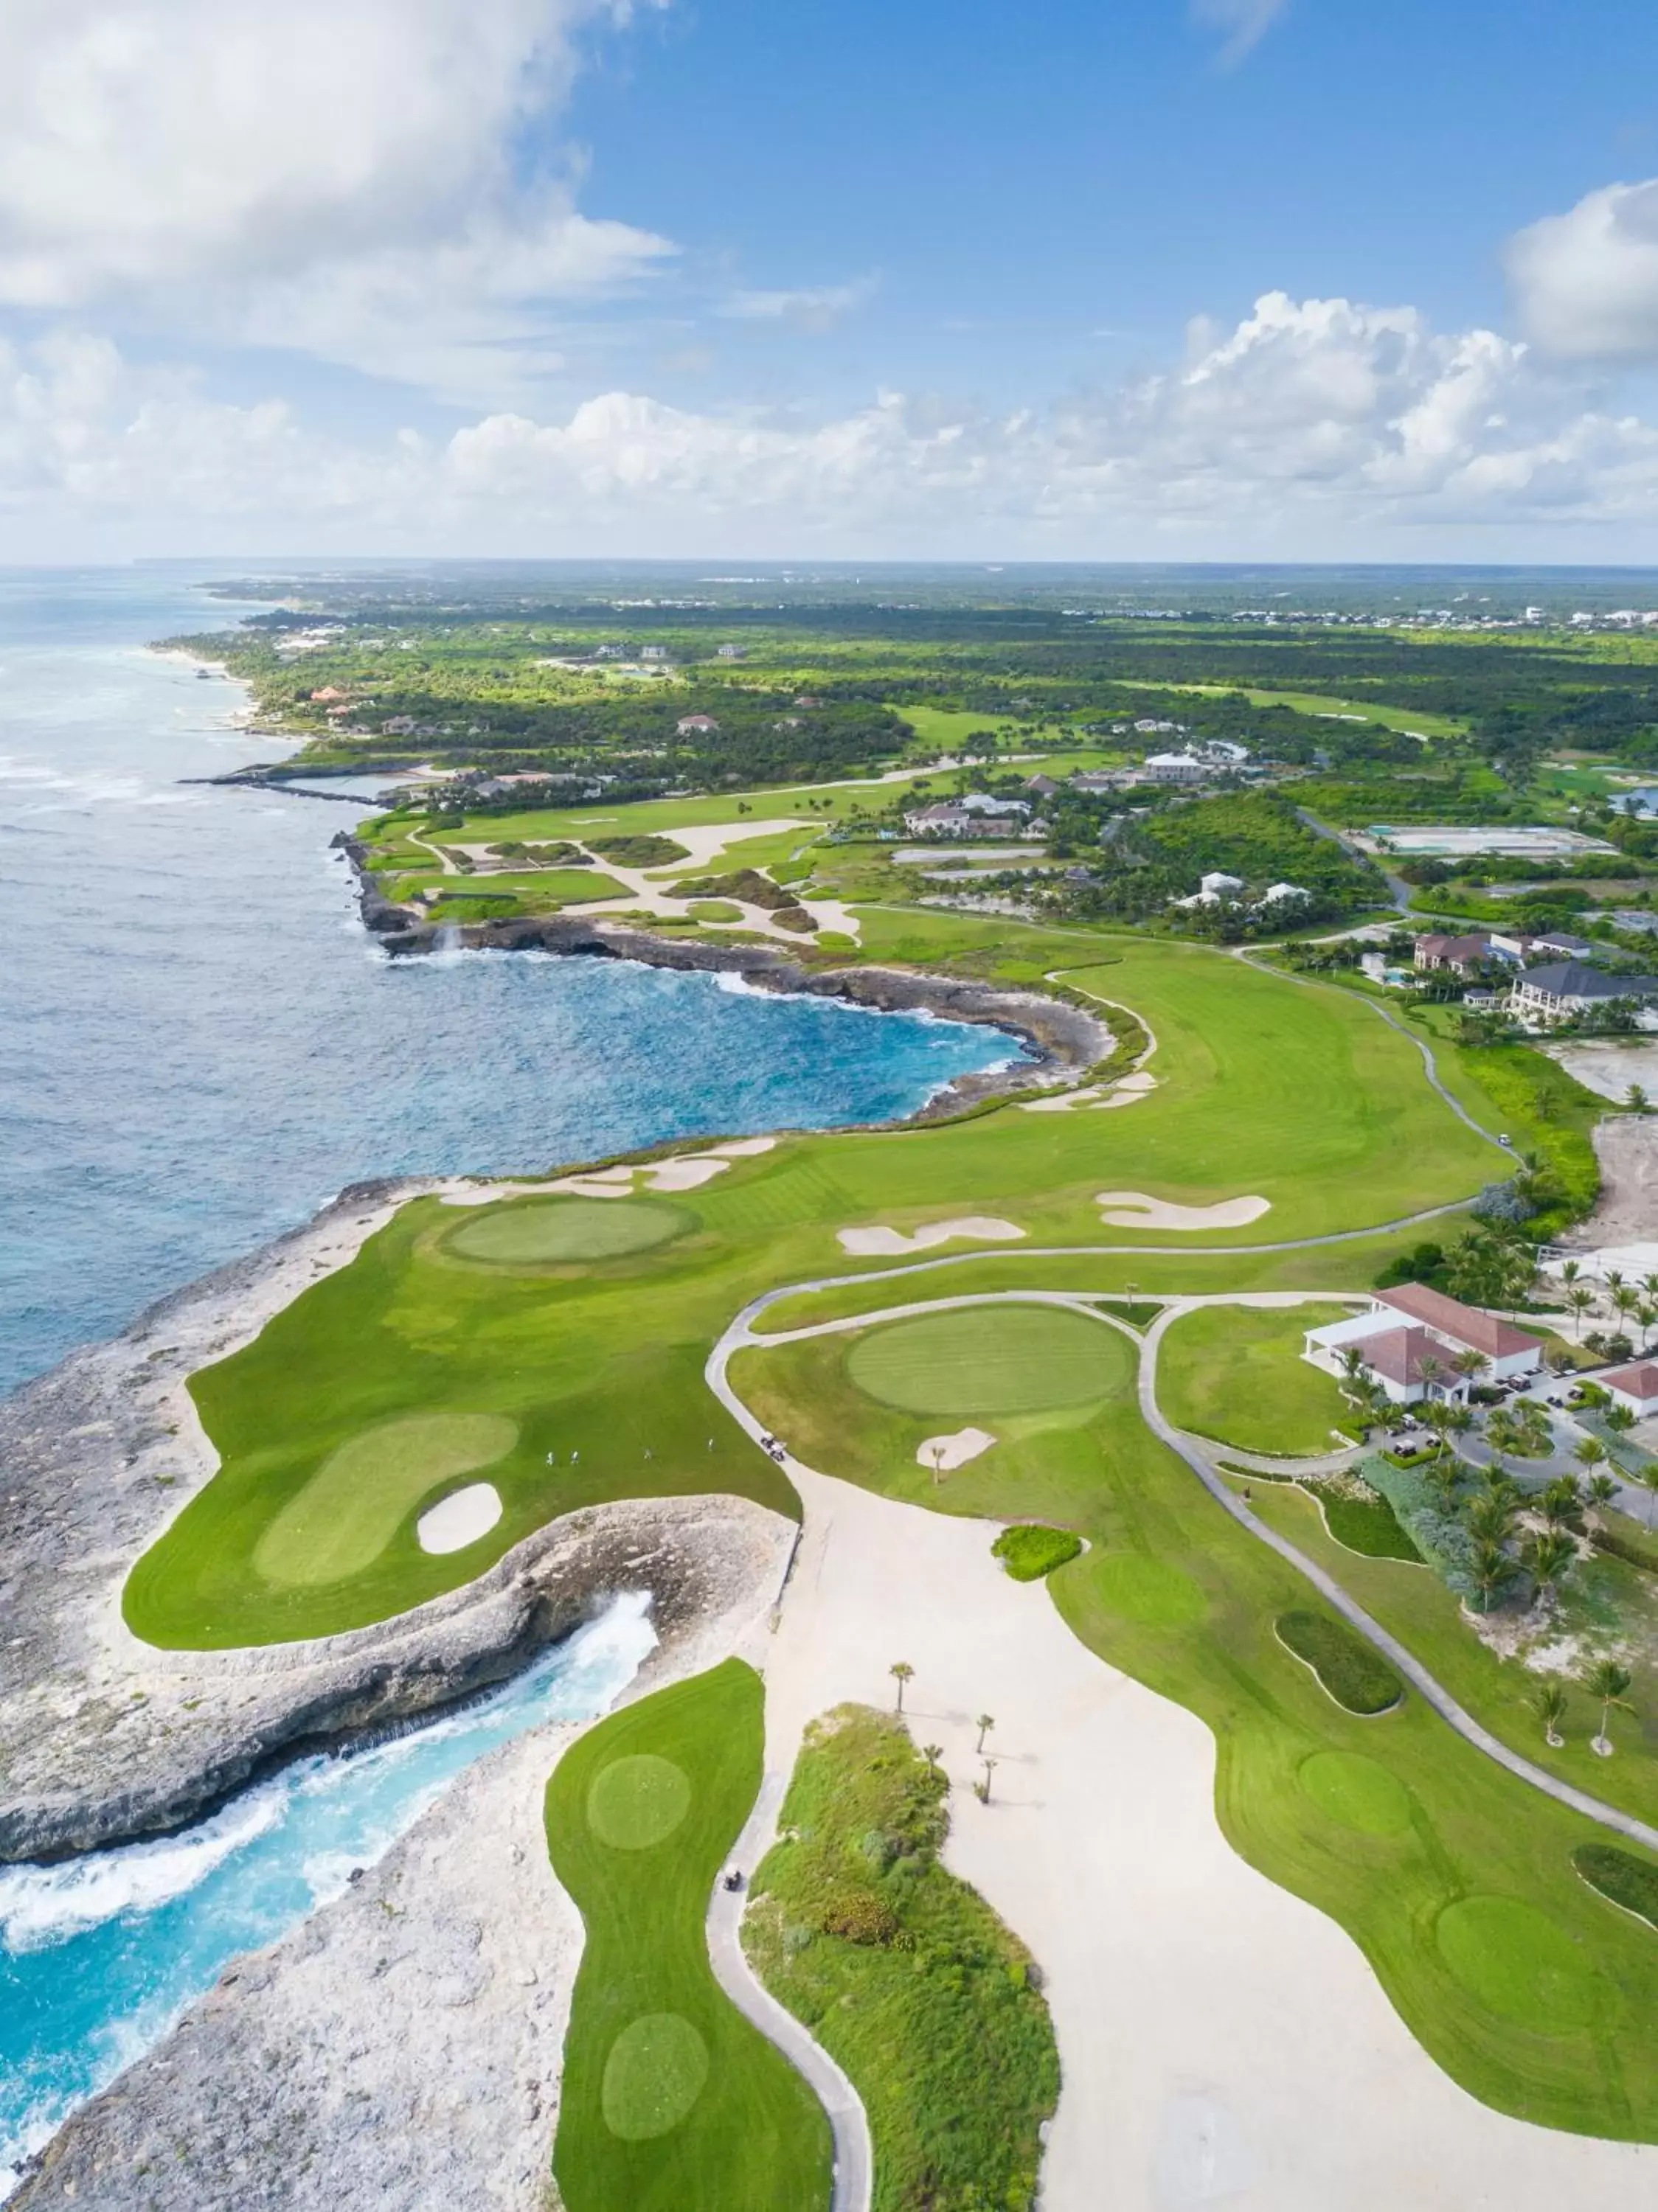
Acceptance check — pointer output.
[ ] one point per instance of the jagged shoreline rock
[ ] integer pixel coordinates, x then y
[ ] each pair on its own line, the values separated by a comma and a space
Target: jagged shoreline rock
402, 2048
104, 1738
1062, 1042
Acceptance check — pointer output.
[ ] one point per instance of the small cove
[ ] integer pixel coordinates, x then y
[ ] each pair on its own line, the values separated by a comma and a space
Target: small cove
99, 1956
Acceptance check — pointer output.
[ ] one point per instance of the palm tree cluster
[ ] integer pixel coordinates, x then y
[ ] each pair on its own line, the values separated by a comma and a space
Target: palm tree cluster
1607, 1681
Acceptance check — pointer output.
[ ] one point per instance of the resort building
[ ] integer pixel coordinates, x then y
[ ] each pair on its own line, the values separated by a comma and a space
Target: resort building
691, 725
1462, 956
1276, 894
1175, 768
1412, 1340
1542, 996
1634, 1386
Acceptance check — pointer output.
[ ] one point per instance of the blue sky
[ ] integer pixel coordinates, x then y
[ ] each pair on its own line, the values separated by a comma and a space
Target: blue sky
705, 277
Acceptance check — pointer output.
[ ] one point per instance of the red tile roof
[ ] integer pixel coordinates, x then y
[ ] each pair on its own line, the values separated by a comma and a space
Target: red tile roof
1640, 1380
1482, 1331
1397, 1354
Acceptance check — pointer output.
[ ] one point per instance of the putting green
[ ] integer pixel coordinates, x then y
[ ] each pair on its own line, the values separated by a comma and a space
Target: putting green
568, 1229
988, 1359
1356, 1791
1517, 1963
657, 2070
1149, 1592
358, 1498
634, 1802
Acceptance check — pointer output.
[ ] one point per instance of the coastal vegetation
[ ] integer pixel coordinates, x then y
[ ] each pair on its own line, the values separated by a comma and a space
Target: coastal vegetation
904, 1974
576, 1328
671, 2101
1027, 1551
1235, 1373
1172, 1591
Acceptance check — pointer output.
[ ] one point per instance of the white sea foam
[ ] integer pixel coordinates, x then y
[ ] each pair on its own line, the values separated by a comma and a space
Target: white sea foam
44, 1904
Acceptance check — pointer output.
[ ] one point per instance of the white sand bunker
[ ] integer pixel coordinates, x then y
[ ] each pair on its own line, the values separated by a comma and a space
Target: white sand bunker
884, 1243
943, 1453
459, 1519
686, 1171
1127, 1091
1132, 1209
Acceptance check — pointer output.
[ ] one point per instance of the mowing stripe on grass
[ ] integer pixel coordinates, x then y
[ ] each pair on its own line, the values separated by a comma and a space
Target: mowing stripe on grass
671, 2102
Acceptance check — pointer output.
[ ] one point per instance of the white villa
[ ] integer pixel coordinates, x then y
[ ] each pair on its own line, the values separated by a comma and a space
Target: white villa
1636, 1387
1409, 1337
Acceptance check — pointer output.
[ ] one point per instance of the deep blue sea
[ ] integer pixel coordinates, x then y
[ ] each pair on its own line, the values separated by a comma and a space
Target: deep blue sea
199, 1045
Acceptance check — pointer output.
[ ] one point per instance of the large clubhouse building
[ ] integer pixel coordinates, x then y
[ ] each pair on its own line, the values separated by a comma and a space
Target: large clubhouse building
1411, 1338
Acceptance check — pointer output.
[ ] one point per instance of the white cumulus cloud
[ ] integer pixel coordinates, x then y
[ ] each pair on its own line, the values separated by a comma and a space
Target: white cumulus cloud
326, 174
1585, 283
1313, 427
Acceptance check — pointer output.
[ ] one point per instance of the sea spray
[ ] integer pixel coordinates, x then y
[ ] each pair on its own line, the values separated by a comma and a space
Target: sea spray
101, 1954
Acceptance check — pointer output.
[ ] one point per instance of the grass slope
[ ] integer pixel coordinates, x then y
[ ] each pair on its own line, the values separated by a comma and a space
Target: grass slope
602, 1356
1235, 1373
904, 1974
671, 2101
1176, 1594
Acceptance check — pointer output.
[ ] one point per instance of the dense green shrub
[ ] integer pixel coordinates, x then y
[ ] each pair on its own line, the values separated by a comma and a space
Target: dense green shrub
1344, 1663
1028, 1552
1627, 1881
640, 852
904, 1974
1367, 1524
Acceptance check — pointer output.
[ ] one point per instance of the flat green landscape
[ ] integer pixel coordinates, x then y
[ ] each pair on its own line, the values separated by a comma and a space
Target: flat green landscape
1235, 1373
1175, 1592
671, 2102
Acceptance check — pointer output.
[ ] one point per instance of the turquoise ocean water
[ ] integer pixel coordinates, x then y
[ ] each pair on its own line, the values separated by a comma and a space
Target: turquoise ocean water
199, 1046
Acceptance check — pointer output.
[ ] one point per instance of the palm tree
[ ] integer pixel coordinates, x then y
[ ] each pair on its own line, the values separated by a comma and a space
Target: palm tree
901, 1671
1562, 1501
1470, 1365
1609, 1682
932, 1752
1647, 1314
1591, 1454
1491, 1517
1602, 1490
1431, 1372
1580, 1301
984, 1724
1625, 1300
1636, 1099
1550, 1706
984, 1788
1550, 1558
1569, 1271
1492, 1564
1621, 1419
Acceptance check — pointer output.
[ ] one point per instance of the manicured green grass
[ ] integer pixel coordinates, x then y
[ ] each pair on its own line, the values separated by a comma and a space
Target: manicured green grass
904, 1974
563, 1228
1358, 1792
1174, 1592
1344, 1663
671, 2101
1235, 1373
353, 1506
1028, 1550
1513, 1961
984, 1359
1627, 1881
